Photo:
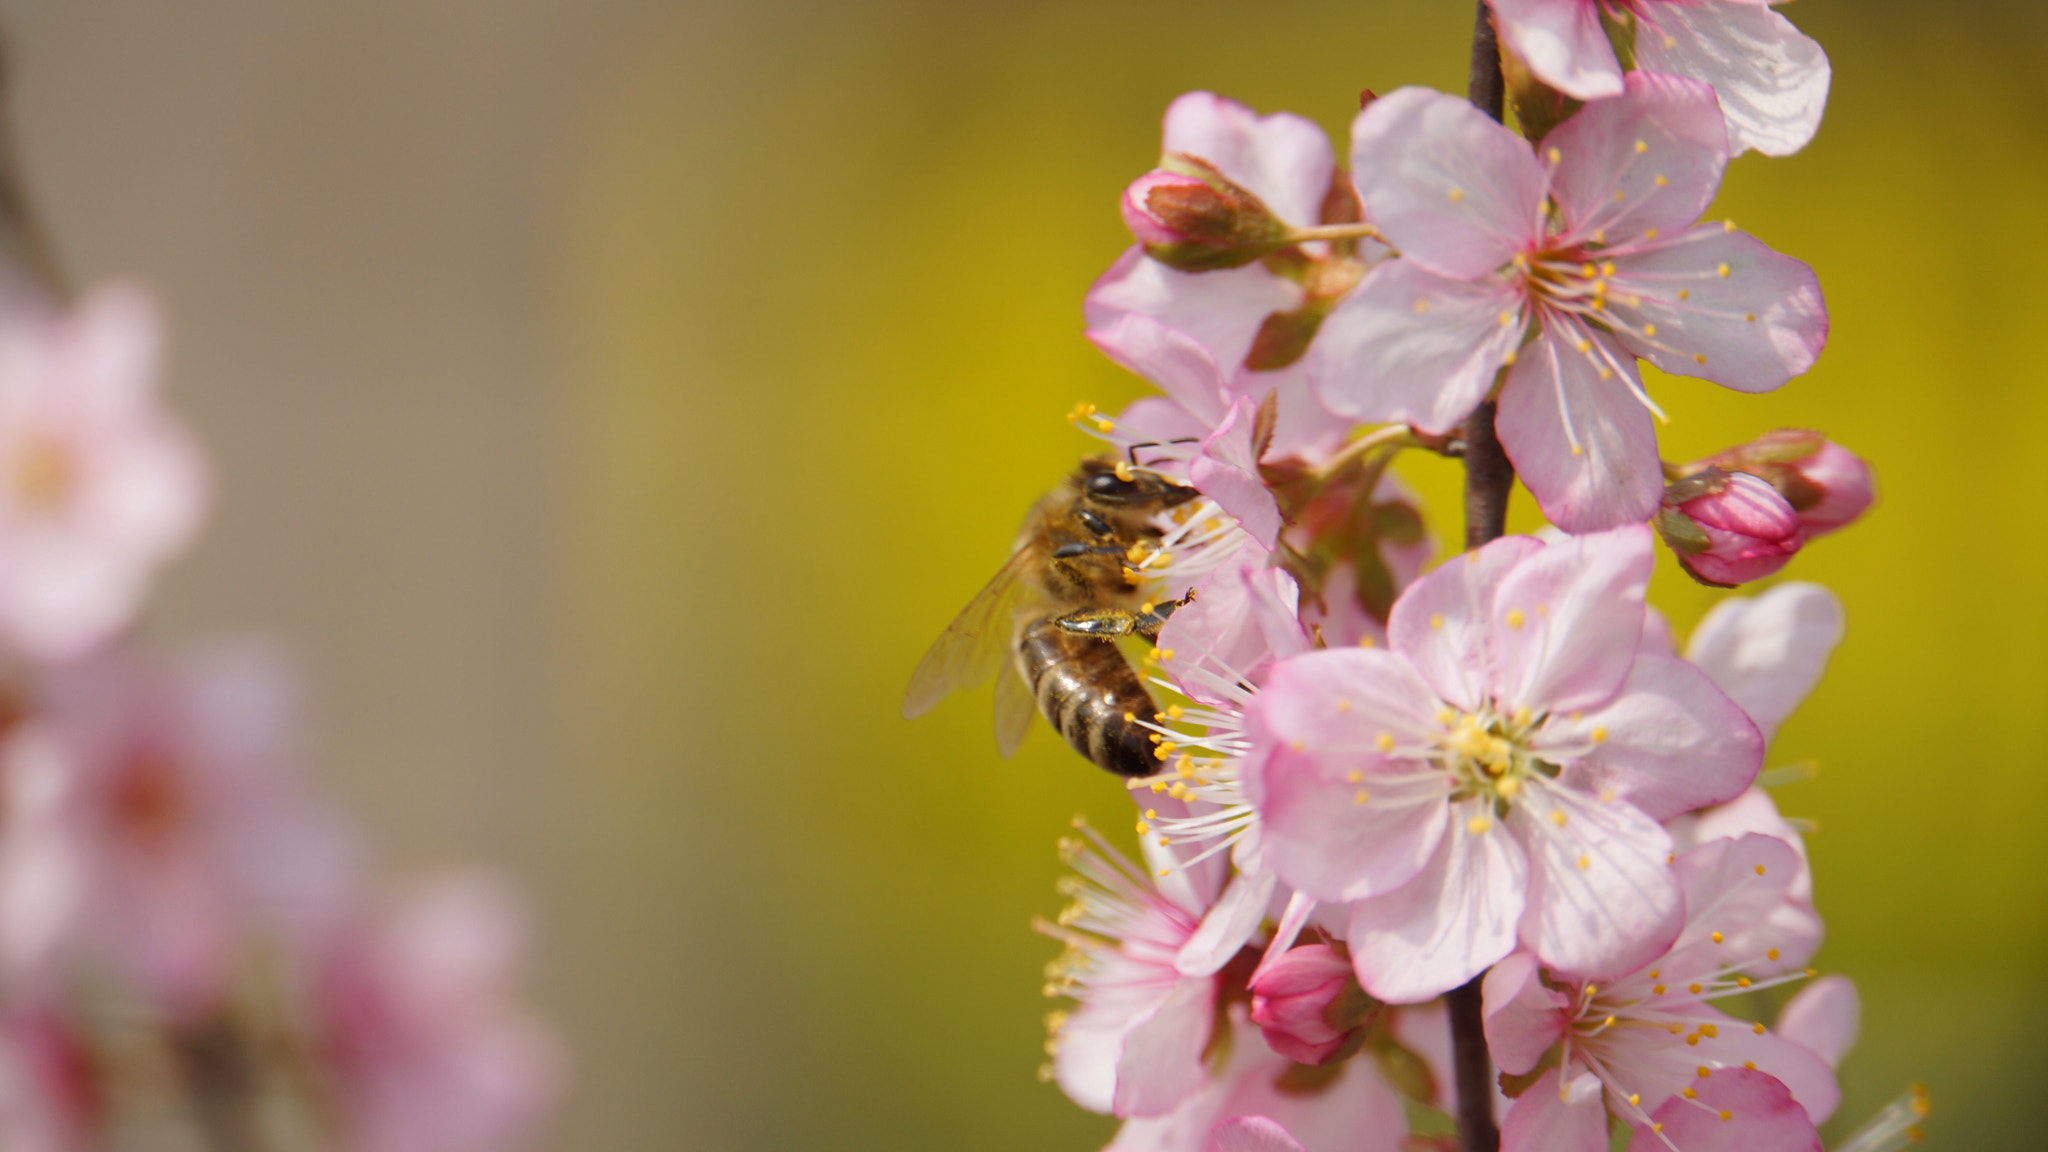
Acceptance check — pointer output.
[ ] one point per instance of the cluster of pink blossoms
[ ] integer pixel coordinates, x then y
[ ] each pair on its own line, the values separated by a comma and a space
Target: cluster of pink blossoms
186, 952
1382, 785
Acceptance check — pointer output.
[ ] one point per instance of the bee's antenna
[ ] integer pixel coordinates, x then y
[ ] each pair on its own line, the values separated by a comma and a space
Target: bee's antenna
1132, 451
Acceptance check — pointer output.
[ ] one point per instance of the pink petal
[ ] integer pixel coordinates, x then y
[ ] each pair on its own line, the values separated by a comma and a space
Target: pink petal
1158, 420
1710, 334
1808, 1077
1228, 926
1221, 310
1555, 1117
1450, 923
1602, 899
1772, 78
1763, 1117
1823, 1018
1160, 1061
1411, 346
1731, 888
1227, 472
1254, 1134
1172, 360
1523, 1017
1566, 621
1443, 623
1650, 158
1453, 190
1585, 446
1563, 43
1282, 159
1668, 743
1768, 652
1243, 618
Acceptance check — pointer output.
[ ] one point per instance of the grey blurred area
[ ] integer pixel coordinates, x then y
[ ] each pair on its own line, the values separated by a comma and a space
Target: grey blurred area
356, 214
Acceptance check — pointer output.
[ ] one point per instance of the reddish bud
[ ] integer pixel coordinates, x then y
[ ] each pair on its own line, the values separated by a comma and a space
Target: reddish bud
1729, 528
1191, 217
1826, 484
1310, 1006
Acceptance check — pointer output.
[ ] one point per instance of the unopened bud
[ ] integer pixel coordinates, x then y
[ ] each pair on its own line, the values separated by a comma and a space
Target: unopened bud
1309, 1005
1826, 484
1729, 528
1191, 217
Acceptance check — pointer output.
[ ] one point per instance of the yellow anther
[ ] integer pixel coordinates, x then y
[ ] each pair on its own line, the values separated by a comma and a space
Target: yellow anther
1343, 705
1813, 971
1710, 1031
1760, 871
1506, 318
1478, 825
1557, 817
1163, 841
1758, 1028
1555, 155
1165, 654
1716, 937
1585, 862
1685, 293
1742, 981
1699, 357
1642, 147
1749, 1064
1158, 786
1354, 776
1297, 746
1508, 788
1509, 359
1727, 1115
1690, 1094
1144, 829
1515, 618
1693, 988
1649, 233
1384, 741
1365, 642
1657, 1128
1607, 1023
1436, 620
1705, 1071
1727, 225
1123, 471
1105, 424
1676, 1028
1606, 373
1599, 735
1360, 796
1588, 271
1721, 270
1175, 711
1599, 235
1661, 181
1749, 316
1457, 194
1421, 306
1657, 991
1130, 717
1619, 195
1635, 1100
1653, 973
1165, 872
1650, 331
1584, 345
1164, 751
1606, 269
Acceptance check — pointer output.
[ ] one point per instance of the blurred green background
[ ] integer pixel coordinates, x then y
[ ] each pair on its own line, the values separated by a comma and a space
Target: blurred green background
828, 291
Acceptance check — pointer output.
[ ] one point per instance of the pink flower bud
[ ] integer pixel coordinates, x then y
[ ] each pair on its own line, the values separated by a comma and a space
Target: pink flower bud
1310, 1006
1729, 528
1191, 217
1826, 484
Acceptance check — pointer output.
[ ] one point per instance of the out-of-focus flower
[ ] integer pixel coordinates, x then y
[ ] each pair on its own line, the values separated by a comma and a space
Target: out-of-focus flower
1510, 751
1589, 244
49, 1101
1767, 652
1133, 1046
1772, 78
1896, 1127
1350, 1111
152, 822
1253, 322
98, 485
1309, 1005
419, 1031
1652, 1034
1824, 1018
1826, 484
1729, 528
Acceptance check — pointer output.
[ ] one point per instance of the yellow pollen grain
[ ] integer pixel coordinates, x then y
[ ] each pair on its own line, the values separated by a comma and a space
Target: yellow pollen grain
1649, 233
1635, 1100
1144, 828
1584, 345
1343, 705
1661, 181
1619, 195
1555, 155
1515, 618
1175, 711
1354, 776
1658, 1128
1727, 1115
1742, 981
1699, 358
1607, 269
1705, 1072
1760, 871
1758, 1028
1385, 741
1457, 194
1642, 146
1421, 306
1721, 270
1360, 796
1557, 817
1657, 991
1749, 316
1685, 293
1691, 1095
1727, 225
1709, 1031
1585, 862
1650, 331
1749, 1064
1436, 620
1478, 825
1365, 641
1693, 988
1599, 735
1717, 937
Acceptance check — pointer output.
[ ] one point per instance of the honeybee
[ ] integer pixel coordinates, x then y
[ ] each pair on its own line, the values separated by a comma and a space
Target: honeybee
1054, 612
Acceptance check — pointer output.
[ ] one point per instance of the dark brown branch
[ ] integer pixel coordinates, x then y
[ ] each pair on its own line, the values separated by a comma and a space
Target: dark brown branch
1489, 479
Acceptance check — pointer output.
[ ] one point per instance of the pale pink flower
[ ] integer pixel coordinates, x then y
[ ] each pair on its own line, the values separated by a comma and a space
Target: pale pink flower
1590, 244
1133, 1045
1498, 773
1767, 652
98, 485
1772, 78
1739, 530
153, 824
1631, 1042
418, 1029
1252, 322
1354, 1111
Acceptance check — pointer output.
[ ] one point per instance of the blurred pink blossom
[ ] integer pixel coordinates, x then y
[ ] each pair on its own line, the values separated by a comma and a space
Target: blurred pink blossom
98, 485
419, 1029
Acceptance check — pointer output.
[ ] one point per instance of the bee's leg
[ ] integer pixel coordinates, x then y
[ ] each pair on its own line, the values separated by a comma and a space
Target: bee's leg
1104, 622
1152, 617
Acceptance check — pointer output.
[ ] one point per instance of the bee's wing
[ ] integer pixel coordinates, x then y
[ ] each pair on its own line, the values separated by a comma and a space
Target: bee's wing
974, 645
1014, 710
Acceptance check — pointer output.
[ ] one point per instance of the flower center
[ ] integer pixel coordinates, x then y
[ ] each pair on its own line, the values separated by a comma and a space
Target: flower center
1488, 753
43, 474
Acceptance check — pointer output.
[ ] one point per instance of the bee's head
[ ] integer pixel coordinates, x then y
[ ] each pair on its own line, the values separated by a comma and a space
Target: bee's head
1116, 484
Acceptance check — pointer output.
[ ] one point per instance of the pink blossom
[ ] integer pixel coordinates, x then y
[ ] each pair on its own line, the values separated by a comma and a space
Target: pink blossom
1738, 530
152, 821
1823, 1018
426, 1048
1772, 79
101, 486
1738, 1110
1631, 1042
1354, 1111
48, 1099
1139, 216
1616, 271
1826, 484
1252, 322
1308, 1004
1498, 773
1768, 652
1795, 927
1133, 1046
